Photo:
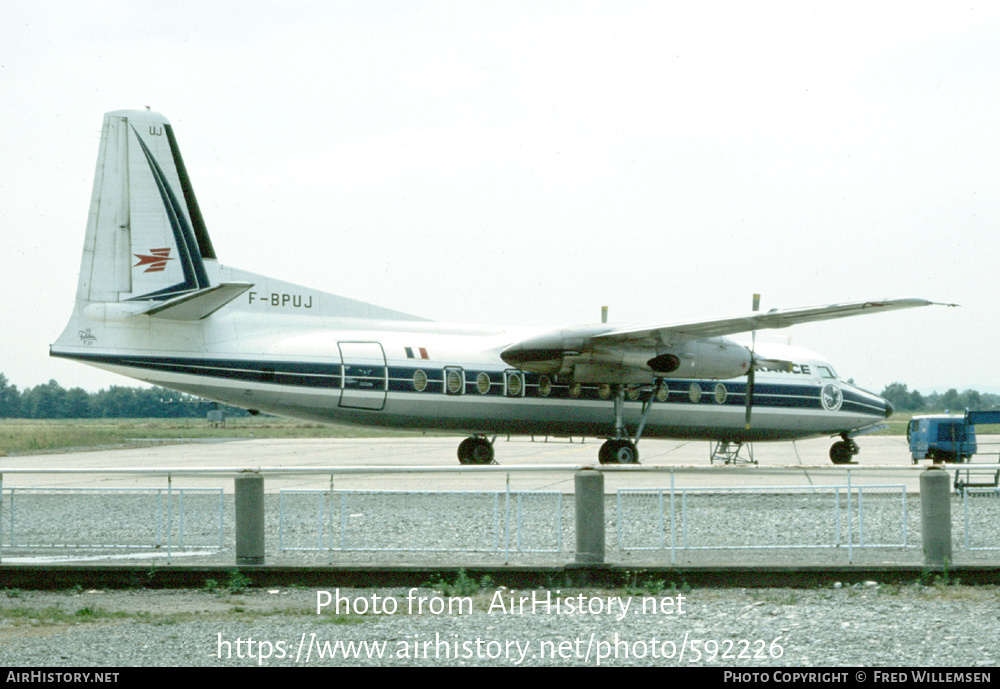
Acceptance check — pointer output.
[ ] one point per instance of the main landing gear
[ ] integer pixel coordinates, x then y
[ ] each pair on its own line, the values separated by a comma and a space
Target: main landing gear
843, 451
621, 449
618, 451
476, 450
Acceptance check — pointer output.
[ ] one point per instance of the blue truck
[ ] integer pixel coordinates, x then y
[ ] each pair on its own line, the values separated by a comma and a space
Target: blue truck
942, 438
952, 438
947, 437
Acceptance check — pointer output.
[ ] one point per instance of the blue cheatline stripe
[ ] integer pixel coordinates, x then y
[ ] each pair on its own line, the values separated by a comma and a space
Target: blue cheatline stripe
400, 380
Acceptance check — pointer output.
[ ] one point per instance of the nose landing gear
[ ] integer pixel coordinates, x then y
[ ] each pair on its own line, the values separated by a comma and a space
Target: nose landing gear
475, 450
843, 451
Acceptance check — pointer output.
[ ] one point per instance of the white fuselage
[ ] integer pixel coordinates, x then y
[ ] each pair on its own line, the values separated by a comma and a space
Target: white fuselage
426, 375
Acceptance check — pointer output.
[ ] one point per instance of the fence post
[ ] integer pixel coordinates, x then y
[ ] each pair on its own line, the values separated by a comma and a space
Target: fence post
935, 515
249, 519
589, 488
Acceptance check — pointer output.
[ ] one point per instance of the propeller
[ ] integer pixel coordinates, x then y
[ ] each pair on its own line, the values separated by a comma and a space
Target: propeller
753, 362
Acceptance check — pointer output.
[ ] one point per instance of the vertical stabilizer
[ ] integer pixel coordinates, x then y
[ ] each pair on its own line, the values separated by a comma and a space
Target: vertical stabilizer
146, 240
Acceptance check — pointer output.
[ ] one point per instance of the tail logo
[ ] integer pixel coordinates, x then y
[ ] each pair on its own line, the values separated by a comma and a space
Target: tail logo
157, 262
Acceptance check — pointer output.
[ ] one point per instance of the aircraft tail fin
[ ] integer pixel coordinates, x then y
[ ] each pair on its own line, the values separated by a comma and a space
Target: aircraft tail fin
146, 241
147, 251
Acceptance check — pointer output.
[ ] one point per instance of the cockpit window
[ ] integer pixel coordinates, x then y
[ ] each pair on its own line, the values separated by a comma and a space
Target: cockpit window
826, 372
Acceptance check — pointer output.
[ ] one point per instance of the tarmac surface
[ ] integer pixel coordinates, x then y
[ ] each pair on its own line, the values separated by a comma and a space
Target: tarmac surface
533, 464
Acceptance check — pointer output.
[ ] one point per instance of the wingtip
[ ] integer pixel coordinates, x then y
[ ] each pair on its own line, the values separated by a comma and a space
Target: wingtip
914, 302
927, 302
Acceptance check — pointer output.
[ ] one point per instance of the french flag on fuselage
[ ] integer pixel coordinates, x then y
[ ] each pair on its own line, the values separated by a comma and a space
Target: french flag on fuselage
416, 353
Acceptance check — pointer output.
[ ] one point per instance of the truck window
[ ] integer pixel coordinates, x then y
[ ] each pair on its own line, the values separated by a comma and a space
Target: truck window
951, 432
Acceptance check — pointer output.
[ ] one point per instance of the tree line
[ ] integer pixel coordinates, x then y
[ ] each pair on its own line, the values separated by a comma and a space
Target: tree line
906, 400
52, 401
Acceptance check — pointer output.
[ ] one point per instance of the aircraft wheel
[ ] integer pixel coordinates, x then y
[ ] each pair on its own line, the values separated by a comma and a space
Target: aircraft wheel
603, 454
618, 451
627, 453
464, 456
841, 452
482, 451
475, 450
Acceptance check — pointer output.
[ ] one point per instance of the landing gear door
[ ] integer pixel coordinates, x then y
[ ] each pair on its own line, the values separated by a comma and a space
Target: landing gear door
365, 381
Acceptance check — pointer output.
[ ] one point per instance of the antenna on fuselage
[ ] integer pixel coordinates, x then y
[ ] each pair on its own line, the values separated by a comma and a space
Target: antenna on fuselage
604, 314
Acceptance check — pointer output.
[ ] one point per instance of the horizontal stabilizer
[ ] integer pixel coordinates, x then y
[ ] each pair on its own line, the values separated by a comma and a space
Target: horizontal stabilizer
200, 304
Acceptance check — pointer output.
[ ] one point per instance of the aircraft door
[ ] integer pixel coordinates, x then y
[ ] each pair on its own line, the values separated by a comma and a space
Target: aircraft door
365, 382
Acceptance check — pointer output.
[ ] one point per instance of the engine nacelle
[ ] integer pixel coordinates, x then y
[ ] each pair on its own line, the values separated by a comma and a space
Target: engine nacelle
714, 358
592, 360
551, 352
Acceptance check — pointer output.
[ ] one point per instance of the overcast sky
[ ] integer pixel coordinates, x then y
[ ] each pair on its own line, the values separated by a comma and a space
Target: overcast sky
527, 163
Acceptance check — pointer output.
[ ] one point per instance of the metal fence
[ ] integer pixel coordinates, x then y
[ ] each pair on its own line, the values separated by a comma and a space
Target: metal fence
102, 519
981, 519
702, 518
428, 521
674, 519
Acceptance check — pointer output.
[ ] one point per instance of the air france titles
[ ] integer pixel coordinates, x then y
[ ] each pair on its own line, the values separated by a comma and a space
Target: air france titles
545, 603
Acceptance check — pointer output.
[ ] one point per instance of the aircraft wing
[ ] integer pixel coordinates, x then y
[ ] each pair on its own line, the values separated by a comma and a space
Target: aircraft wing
677, 333
622, 351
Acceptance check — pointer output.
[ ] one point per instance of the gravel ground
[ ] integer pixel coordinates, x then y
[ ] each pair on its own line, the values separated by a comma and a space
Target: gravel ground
862, 625
865, 625
793, 527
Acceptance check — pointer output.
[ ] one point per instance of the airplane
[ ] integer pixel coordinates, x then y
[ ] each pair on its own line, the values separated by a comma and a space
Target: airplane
154, 303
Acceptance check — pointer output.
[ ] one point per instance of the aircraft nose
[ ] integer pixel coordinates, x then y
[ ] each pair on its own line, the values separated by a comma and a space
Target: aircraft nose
888, 408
